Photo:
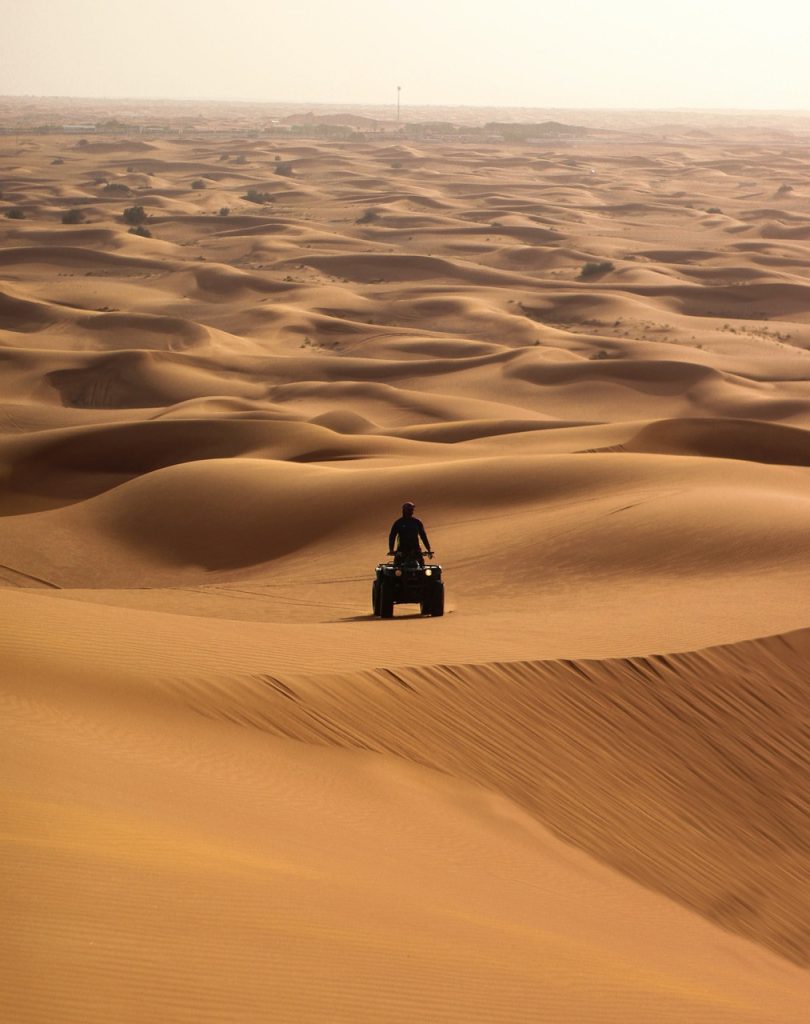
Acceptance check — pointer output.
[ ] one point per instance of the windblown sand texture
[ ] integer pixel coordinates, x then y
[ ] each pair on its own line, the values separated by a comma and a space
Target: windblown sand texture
233, 796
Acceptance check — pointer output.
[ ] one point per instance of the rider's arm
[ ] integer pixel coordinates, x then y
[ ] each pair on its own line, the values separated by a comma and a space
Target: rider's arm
423, 535
392, 536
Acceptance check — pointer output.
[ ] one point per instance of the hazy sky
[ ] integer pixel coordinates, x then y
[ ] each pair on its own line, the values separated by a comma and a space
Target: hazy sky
566, 53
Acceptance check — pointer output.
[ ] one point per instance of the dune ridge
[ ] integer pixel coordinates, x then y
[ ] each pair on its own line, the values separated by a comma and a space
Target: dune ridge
644, 754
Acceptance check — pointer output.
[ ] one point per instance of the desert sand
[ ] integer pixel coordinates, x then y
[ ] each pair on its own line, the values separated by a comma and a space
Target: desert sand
230, 793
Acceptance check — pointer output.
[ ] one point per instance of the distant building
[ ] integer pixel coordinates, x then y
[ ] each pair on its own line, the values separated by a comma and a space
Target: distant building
545, 131
78, 128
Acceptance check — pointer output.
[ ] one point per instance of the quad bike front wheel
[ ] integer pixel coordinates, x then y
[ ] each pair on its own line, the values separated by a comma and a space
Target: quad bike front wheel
434, 603
386, 600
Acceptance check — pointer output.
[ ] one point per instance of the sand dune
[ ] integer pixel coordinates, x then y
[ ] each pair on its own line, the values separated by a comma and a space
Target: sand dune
230, 791
751, 441
670, 728
76, 257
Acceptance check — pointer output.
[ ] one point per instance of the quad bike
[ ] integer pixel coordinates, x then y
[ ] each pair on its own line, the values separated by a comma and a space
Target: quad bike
406, 580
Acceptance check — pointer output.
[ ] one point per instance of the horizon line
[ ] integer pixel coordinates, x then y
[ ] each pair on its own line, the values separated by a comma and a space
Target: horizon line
392, 103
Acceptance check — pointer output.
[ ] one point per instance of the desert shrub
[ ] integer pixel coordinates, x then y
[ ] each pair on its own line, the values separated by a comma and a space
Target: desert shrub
277, 158
224, 211
784, 189
82, 142
254, 196
593, 269
141, 230
15, 213
199, 183
368, 216
241, 159
224, 156
714, 209
284, 168
116, 188
73, 216
57, 160
134, 215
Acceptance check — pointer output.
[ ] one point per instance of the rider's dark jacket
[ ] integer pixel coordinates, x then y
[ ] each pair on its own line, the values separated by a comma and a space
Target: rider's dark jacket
409, 529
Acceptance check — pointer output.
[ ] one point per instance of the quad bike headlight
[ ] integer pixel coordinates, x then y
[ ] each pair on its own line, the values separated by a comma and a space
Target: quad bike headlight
428, 572
398, 572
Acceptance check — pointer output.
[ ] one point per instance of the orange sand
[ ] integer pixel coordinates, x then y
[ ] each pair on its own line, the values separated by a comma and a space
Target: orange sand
230, 794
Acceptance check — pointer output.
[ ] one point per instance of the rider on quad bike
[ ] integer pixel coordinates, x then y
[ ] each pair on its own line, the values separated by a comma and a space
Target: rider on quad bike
407, 580
410, 531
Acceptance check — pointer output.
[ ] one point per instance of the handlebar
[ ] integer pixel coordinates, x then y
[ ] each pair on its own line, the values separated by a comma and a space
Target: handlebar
427, 554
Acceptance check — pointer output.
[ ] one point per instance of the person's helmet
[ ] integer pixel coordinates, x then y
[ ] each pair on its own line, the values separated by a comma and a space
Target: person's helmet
408, 506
